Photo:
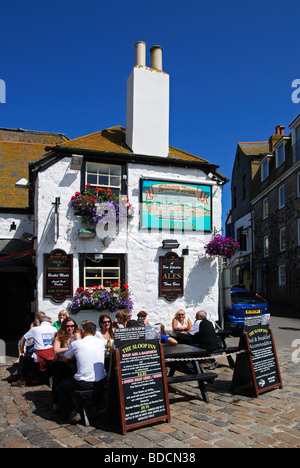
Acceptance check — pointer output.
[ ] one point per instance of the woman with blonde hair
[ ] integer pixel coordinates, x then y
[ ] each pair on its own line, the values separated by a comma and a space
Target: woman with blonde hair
180, 322
63, 314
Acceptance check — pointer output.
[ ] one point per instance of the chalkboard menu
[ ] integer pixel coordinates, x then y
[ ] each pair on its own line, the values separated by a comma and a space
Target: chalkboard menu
141, 380
171, 276
259, 365
58, 275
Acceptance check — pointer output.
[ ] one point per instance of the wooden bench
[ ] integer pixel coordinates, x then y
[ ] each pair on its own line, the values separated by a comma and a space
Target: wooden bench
173, 359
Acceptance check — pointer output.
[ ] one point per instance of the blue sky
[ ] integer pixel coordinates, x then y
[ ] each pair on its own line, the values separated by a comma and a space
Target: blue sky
231, 64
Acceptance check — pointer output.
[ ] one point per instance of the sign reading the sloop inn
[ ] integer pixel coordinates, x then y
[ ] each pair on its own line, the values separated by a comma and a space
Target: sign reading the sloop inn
171, 205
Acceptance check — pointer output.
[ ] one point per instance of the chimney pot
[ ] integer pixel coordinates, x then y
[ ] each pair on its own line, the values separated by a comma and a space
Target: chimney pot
277, 130
282, 130
140, 54
156, 57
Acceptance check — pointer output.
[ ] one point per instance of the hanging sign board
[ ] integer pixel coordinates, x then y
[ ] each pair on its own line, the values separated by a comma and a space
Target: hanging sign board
58, 275
171, 273
259, 366
138, 370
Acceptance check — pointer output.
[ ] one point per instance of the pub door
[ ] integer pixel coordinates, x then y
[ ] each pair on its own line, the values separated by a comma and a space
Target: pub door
15, 307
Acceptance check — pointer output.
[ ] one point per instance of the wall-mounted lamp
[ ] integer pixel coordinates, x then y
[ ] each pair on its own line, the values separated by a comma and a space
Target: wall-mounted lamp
170, 244
27, 237
13, 226
76, 162
98, 257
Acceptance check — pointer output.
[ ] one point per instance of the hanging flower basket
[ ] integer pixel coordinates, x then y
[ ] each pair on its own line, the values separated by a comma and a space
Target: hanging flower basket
86, 204
222, 246
113, 297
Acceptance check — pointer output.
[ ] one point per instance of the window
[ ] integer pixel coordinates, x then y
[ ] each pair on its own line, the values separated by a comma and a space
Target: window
281, 275
264, 170
241, 237
104, 175
282, 239
266, 246
265, 208
280, 155
281, 194
297, 144
101, 273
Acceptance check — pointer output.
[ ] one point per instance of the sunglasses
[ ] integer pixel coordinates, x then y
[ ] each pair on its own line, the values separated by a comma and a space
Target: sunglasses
106, 321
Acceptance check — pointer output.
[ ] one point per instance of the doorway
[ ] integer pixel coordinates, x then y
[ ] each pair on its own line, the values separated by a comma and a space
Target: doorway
16, 297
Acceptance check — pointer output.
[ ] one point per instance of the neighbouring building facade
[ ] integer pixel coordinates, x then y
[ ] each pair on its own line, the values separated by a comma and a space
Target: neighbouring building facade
265, 216
276, 204
157, 248
240, 223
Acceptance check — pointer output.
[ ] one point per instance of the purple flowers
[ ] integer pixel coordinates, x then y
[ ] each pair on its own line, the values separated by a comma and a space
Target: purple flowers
113, 297
222, 246
103, 204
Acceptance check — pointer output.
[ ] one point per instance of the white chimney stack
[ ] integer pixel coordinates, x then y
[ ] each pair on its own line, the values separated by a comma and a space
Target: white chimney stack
147, 121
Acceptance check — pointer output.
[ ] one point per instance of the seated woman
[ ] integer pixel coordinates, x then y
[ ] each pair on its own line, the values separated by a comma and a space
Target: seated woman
106, 330
180, 322
142, 316
63, 314
122, 317
69, 332
166, 339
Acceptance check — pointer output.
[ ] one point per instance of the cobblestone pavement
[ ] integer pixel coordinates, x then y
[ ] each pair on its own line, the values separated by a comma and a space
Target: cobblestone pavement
228, 421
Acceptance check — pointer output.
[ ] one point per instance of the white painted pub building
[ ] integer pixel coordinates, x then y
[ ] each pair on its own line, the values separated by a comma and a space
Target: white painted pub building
157, 248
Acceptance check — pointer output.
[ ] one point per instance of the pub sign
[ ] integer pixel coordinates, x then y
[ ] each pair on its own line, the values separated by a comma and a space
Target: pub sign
171, 273
58, 275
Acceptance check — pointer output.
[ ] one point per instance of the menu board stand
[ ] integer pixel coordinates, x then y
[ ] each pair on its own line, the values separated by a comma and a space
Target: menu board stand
137, 385
258, 367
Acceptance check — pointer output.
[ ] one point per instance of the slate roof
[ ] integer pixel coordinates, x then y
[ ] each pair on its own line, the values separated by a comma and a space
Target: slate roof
112, 140
17, 149
254, 148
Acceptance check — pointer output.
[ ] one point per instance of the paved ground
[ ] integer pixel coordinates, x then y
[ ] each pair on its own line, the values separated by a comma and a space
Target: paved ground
272, 420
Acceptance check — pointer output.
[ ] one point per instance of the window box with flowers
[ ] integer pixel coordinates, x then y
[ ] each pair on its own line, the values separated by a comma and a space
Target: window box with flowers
222, 247
111, 298
86, 204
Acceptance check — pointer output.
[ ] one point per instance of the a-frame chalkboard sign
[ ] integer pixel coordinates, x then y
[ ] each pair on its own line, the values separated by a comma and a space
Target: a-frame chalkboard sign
137, 384
257, 369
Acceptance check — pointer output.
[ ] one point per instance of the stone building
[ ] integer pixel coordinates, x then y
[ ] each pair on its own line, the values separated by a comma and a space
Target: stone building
276, 209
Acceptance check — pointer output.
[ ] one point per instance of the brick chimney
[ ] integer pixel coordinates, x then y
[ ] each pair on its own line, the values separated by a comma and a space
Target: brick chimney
147, 119
279, 132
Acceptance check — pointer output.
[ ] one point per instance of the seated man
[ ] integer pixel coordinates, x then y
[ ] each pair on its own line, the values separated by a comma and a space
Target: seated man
89, 353
42, 337
201, 334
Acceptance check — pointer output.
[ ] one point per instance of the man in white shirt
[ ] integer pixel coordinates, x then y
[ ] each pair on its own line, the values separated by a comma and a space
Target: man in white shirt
89, 353
42, 337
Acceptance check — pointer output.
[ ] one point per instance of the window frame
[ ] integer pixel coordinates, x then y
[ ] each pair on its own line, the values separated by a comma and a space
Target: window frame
282, 239
281, 202
91, 256
265, 174
266, 246
282, 275
117, 189
277, 153
265, 208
